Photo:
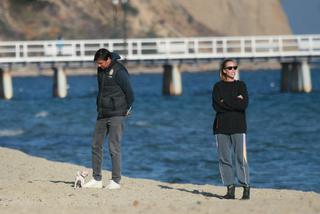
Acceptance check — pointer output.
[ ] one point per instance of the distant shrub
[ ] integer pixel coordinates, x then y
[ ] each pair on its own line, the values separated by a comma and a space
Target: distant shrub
190, 19
37, 5
24, 2
151, 33
131, 10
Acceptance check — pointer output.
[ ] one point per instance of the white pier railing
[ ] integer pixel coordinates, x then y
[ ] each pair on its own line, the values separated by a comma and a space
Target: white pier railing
160, 49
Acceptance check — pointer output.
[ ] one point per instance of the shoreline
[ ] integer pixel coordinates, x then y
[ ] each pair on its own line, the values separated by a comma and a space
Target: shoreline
34, 70
35, 185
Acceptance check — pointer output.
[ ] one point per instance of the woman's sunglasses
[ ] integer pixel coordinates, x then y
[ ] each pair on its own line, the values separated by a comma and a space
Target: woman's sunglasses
231, 67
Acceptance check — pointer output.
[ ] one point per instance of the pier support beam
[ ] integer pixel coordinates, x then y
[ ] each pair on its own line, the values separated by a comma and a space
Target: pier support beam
59, 82
296, 77
6, 90
172, 83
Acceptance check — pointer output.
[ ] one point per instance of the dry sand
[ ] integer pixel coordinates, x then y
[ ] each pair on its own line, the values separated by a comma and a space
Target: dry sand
35, 185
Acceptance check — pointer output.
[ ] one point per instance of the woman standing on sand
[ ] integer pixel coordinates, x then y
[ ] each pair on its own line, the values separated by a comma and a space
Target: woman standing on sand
230, 100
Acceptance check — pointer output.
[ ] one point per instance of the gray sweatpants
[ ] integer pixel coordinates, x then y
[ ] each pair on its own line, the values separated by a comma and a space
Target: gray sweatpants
113, 127
233, 147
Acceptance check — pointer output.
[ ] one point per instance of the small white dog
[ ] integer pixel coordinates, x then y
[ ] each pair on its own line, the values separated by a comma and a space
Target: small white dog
80, 176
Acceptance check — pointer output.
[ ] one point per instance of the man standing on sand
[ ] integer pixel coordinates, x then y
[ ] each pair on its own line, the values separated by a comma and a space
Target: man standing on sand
114, 103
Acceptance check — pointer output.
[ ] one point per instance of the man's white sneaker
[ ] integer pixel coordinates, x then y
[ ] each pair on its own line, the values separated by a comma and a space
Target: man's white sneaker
113, 185
93, 184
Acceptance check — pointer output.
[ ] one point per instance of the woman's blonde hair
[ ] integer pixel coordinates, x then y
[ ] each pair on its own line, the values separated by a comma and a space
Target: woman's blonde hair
223, 65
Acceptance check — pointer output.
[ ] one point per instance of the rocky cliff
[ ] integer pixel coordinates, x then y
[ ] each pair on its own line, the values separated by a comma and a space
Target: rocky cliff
89, 19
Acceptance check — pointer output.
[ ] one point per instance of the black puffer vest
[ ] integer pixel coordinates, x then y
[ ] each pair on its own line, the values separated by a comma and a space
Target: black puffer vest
111, 100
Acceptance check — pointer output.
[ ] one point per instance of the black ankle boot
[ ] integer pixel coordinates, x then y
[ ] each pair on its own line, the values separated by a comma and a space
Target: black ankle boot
246, 193
230, 192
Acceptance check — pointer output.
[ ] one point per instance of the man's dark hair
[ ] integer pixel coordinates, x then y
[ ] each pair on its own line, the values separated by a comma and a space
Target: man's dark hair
102, 54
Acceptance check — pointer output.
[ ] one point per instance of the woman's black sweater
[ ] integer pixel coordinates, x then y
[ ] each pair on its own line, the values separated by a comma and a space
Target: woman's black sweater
230, 110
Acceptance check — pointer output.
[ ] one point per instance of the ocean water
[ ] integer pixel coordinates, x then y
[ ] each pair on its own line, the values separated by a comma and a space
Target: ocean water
170, 138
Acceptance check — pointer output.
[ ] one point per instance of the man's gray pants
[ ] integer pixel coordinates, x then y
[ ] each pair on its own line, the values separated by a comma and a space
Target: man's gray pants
113, 128
229, 147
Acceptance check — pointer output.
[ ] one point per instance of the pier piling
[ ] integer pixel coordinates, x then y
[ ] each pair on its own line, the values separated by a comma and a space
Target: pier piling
59, 82
172, 83
296, 77
6, 89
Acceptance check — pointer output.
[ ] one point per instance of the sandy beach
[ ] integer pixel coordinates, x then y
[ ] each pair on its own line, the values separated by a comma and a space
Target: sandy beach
35, 185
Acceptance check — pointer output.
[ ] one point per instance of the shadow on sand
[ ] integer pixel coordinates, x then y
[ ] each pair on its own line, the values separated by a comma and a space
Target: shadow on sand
206, 194
70, 183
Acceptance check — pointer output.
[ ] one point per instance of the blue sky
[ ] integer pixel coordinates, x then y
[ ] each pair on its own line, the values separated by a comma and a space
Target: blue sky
304, 15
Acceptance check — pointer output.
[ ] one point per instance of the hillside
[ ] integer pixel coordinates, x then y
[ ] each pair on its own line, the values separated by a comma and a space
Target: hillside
89, 19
